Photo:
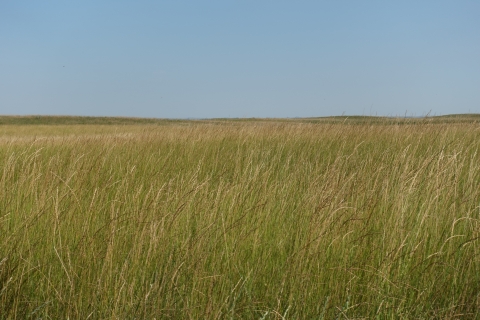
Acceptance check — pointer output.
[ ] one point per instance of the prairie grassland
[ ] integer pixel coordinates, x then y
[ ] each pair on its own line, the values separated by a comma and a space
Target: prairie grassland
240, 220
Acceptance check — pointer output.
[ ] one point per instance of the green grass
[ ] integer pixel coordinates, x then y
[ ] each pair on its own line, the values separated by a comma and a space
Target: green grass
240, 220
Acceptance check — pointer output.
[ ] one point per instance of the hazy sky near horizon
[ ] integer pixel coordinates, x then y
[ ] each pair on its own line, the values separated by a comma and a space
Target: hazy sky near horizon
212, 58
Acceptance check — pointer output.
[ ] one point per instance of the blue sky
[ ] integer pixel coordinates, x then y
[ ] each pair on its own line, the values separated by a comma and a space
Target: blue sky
208, 59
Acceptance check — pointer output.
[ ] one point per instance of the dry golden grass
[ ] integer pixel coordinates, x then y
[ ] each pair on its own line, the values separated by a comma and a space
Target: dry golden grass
242, 219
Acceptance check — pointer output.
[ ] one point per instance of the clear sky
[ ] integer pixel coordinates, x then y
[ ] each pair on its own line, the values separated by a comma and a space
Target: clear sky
242, 58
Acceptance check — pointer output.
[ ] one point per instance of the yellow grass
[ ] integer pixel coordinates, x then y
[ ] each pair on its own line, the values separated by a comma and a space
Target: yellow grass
240, 219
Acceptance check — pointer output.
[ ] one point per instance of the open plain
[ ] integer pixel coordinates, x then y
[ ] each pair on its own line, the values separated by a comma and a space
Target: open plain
322, 218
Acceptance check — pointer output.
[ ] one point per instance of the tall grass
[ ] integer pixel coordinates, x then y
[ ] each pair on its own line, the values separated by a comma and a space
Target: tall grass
244, 220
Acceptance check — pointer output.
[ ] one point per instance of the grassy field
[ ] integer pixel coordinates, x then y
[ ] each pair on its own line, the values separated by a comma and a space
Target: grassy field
325, 218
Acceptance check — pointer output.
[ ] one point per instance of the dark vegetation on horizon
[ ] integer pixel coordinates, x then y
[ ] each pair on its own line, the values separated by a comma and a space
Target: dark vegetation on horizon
80, 120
